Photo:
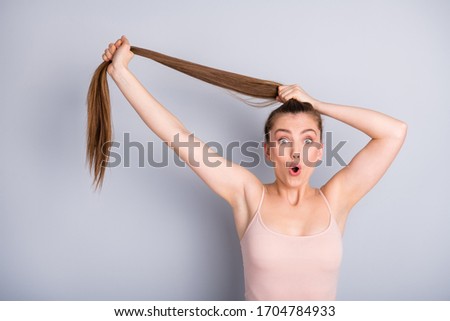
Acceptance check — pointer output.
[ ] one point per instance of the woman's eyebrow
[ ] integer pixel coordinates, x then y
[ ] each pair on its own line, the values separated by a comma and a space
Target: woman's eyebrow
283, 130
308, 130
288, 131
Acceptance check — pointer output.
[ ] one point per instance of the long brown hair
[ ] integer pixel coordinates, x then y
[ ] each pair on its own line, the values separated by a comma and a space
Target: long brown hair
99, 130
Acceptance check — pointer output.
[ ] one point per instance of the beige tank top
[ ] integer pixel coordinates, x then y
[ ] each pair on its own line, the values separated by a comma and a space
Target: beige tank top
284, 267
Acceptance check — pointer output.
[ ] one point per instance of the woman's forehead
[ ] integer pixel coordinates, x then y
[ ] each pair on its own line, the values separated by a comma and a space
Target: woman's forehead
294, 122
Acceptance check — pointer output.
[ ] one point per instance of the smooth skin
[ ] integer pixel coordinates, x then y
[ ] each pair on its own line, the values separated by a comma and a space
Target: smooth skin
291, 206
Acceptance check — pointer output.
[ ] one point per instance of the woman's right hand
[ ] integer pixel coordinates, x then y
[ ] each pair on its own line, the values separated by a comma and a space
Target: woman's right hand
119, 53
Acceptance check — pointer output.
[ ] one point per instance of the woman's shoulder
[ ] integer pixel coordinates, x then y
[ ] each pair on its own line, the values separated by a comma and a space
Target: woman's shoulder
247, 204
253, 194
337, 204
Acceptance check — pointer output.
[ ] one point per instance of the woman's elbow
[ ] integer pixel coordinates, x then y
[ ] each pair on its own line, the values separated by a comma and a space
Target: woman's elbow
401, 130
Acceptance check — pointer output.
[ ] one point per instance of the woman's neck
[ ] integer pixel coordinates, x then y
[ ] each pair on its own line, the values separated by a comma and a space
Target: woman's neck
294, 195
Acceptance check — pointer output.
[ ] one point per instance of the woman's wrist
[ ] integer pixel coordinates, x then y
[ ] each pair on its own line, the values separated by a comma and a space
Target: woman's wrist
117, 70
318, 105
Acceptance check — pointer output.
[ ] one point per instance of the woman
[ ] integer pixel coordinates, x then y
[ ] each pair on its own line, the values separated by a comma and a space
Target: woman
290, 232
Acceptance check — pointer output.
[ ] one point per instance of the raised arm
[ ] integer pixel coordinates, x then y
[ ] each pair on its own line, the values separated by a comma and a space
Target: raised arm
366, 168
230, 181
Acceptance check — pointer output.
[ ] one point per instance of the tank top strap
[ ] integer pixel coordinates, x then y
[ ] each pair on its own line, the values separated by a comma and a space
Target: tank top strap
326, 202
262, 198
255, 216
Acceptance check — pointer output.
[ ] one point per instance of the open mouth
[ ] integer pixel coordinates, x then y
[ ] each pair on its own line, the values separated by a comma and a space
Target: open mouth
294, 170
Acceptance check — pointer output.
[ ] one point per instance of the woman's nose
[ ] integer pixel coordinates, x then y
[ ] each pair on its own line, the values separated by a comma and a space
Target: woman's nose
296, 151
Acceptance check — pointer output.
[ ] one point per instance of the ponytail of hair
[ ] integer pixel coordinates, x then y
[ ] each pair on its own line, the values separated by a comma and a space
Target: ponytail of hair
99, 127
99, 130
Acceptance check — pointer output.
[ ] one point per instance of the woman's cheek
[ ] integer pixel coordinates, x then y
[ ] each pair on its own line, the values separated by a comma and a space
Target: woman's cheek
310, 155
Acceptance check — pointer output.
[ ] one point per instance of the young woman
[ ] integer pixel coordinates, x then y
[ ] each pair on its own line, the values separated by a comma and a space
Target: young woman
290, 232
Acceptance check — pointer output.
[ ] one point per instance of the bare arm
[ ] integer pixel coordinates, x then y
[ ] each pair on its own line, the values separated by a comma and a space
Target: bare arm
228, 180
367, 167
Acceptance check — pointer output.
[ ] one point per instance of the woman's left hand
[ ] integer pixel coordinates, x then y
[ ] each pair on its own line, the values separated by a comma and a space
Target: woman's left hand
294, 91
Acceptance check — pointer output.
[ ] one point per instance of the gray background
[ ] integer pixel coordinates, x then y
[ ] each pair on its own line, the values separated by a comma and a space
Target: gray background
159, 233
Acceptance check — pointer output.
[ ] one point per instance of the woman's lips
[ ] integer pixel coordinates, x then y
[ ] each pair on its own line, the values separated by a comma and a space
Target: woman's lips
295, 170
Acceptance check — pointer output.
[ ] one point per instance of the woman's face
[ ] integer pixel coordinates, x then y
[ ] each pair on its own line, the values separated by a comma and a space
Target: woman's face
294, 147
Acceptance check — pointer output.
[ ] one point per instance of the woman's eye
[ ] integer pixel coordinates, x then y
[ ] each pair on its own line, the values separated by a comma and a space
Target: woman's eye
308, 141
283, 141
